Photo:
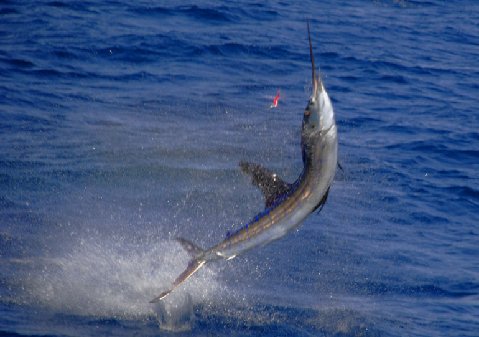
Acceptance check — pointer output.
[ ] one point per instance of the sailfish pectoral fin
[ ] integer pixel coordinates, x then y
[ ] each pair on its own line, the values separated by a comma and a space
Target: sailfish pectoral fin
266, 180
320, 205
192, 268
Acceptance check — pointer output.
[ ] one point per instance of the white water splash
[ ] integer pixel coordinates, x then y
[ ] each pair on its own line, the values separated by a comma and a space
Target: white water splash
117, 279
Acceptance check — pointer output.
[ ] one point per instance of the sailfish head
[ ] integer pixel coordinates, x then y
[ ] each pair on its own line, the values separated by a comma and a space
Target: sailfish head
319, 113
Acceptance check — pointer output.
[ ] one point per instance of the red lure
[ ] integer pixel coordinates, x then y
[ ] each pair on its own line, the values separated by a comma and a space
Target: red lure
275, 101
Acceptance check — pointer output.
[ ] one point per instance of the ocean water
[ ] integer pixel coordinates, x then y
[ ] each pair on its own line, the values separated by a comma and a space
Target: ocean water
121, 128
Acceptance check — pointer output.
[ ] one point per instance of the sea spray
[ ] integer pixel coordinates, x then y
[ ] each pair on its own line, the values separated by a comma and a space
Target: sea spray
175, 313
116, 278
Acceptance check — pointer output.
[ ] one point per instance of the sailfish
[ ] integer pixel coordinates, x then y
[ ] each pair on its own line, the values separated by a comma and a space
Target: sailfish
286, 204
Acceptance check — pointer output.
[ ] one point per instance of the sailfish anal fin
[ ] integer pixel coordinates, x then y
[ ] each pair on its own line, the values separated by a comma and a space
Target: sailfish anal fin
266, 180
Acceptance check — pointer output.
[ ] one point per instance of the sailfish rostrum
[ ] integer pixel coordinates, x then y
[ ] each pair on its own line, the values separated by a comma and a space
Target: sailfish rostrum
287, 205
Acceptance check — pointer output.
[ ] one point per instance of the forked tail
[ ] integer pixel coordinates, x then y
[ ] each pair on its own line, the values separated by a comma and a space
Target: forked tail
192, 268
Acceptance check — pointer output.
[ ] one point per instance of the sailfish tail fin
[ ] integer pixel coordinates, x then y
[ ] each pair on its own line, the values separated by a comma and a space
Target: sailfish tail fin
192, 268
190, 247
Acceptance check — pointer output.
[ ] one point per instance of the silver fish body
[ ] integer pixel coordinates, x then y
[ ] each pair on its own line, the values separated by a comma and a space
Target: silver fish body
287, 205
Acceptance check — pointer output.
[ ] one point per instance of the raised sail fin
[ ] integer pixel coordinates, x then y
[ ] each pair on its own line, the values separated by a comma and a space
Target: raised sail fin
267, 181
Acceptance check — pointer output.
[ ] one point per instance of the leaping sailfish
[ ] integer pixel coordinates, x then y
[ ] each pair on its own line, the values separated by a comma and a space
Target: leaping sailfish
287, 205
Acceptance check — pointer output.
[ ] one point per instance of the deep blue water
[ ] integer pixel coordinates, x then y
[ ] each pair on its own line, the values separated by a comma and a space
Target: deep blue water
121, 128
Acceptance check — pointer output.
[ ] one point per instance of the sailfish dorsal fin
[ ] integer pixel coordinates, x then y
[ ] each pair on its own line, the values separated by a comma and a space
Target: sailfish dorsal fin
266, 180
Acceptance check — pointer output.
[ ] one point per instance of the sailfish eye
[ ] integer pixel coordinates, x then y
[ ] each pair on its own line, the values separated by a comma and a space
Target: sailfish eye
307, 113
